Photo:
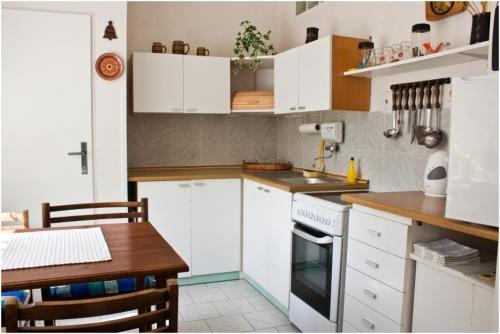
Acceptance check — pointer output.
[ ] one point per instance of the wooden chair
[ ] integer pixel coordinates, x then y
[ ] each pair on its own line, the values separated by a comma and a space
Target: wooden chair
15, 219
133, 214
53, 311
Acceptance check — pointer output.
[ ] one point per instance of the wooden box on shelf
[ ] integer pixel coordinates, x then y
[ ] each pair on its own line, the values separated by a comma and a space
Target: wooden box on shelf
252, 100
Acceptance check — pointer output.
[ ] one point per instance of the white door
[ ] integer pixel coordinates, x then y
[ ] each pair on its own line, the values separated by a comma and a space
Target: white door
207, 85
254, 231
315, 75
216, 226
46, 109
170, 213
286, 82
157, 83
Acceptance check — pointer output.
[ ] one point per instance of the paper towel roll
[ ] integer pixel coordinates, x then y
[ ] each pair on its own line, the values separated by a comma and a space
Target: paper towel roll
310, 128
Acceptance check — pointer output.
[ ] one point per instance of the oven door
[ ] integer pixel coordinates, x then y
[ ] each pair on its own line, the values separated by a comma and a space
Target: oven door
312, 268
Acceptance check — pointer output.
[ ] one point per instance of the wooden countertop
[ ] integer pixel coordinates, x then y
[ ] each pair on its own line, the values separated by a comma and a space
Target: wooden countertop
417, 206
270, 178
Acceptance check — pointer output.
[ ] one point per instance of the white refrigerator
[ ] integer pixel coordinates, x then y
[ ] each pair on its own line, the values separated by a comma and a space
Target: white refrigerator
472, 193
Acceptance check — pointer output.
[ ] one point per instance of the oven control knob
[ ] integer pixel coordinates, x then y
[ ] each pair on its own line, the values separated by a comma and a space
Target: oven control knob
328, 222
309, 215
300, 212
316, 218
322, 220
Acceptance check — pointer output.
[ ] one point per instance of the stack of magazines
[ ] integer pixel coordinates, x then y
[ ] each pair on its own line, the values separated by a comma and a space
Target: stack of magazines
446, 252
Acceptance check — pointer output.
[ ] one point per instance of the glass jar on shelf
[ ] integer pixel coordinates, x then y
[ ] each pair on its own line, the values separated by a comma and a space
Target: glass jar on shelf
386, 57
377, 56
406, 50
420, 34
396, 52
365, 54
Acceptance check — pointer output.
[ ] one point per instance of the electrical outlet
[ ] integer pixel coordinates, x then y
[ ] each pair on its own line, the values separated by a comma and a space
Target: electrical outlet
387, 101
333, 132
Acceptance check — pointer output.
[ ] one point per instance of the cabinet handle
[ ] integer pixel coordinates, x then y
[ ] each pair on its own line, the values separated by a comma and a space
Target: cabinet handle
375, 233
267, 191
368, 323
292, 108
199, 184
184, 185
302, 107
260, 188
191, 109
176, 109
372, 264
370, 294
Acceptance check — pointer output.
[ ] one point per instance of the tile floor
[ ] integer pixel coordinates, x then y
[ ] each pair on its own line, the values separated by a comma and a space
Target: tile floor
230, 306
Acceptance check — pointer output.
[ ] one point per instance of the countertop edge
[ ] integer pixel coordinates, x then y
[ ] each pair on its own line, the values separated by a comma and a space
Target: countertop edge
483, 231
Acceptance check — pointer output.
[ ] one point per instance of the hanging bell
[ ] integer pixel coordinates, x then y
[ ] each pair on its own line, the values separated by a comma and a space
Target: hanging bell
109, 32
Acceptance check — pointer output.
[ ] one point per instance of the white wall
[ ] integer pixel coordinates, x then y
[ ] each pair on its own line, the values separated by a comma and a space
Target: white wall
108, 97
210, 24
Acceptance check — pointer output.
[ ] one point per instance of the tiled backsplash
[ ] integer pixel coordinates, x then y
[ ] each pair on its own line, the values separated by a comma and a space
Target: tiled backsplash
163, 139
389, 164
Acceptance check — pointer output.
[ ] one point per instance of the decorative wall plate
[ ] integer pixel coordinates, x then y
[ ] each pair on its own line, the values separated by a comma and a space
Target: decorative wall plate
109, 66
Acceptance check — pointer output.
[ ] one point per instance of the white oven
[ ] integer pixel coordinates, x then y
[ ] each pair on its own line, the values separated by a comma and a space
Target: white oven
318, 262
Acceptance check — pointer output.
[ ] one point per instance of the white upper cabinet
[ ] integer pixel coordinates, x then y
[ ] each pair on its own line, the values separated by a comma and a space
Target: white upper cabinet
286, 82
315, 75
167, 83
207, 85
157, 83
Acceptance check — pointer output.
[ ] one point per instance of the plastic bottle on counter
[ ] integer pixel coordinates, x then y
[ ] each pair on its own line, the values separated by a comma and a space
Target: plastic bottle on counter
351, 171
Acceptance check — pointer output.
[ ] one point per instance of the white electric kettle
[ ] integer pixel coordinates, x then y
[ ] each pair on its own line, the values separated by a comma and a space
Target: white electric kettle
436, 174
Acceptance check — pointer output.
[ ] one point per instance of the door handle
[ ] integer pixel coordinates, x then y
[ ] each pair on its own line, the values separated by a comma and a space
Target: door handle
319, 241
292, 108
184, 185
176, 109
372, 264
83, 155
374, 232
199, 184
370, 294
368, 323
191, 109
302, 108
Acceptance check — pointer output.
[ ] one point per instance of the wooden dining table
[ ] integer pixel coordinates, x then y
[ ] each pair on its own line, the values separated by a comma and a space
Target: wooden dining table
137, 250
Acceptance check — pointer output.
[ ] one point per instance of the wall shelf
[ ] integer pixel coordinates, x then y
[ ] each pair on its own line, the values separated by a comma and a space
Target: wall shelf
266, 62
459, 55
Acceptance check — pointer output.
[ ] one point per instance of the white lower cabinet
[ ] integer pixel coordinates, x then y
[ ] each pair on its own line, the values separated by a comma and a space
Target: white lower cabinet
267, 230
445, 302
379, 274
200, 219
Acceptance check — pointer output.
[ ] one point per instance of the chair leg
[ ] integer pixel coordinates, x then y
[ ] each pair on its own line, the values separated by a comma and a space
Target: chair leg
173, 305
46, 297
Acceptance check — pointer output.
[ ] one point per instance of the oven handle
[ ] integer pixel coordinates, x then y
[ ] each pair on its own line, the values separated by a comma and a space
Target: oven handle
320, 241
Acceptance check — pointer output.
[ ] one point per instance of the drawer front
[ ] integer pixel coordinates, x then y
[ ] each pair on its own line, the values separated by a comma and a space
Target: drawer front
366, 319
378, 264
378, 232
375, 294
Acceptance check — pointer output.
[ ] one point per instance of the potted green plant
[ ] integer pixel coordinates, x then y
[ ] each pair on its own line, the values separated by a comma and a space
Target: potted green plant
252, 43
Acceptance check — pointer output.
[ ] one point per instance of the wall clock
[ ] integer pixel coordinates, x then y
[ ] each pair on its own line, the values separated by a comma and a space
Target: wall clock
437, 10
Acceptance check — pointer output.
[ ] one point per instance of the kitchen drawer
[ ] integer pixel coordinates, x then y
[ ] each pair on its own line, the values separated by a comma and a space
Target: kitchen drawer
385, 267
366, 319
375, 294
382, 233
348, 328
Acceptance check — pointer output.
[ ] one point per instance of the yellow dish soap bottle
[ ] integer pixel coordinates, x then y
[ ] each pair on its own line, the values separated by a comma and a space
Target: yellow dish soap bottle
351, 171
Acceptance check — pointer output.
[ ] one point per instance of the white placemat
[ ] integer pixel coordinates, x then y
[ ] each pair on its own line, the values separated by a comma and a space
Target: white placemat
50, 248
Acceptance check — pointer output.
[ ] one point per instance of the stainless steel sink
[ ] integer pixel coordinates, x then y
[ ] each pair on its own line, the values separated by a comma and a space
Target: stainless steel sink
308, 180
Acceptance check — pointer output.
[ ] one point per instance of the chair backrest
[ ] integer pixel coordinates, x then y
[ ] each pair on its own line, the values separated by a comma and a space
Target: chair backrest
59, 310
16, 219
133, 213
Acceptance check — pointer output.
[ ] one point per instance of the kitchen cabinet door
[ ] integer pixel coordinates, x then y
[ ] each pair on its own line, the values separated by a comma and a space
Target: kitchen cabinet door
216, 226
315, 75
170, 213
157, 83
254, 229
286, 82
267, 229
278, 243
207, 85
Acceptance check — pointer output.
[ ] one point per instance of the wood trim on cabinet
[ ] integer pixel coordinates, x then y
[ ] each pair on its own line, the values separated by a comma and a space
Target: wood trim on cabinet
348, 93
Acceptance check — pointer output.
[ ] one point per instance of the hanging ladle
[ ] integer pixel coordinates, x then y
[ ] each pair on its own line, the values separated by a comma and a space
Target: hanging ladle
395, 131
433, 137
